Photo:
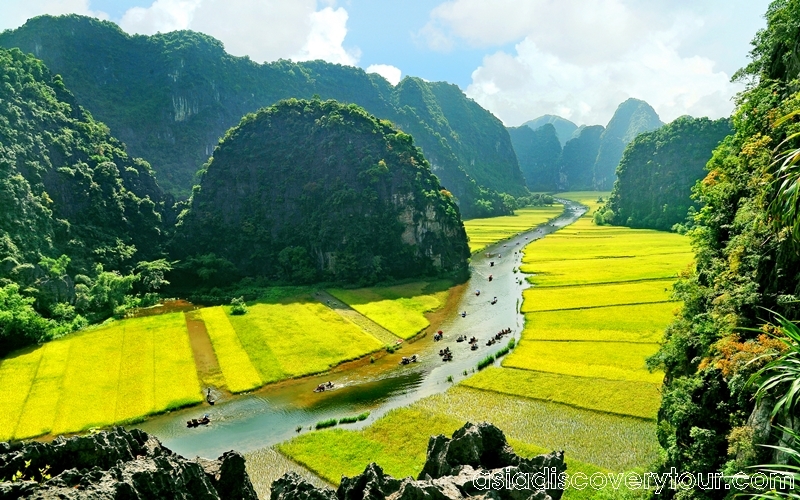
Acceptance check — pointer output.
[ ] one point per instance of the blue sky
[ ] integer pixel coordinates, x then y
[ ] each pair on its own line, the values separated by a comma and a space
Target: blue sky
517, 58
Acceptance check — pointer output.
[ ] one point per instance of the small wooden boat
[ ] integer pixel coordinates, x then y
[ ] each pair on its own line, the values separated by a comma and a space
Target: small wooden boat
195, 422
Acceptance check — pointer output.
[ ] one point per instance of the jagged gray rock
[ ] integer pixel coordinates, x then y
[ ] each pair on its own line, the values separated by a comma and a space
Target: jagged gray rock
455, 468
120, 465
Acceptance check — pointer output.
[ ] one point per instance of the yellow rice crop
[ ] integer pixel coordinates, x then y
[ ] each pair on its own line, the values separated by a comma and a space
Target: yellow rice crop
400, 309
239, 372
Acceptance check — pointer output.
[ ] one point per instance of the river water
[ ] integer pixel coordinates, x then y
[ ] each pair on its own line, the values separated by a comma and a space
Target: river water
272, 414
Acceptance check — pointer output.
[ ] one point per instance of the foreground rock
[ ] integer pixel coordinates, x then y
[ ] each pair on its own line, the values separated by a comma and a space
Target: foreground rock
476, 462
117, 464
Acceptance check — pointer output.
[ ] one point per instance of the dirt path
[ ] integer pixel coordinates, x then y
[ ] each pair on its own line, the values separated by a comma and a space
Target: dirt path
208, 370
356, 317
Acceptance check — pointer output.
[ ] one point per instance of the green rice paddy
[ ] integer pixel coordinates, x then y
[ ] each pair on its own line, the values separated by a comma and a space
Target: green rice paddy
485, 232
103, 376
398, 440
401, 308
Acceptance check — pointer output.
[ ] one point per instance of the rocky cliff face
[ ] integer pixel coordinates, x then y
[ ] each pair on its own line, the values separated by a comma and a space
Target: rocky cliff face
658, 170
117, 465
312, 189
457, 467
631, 118
539, 154
578, 157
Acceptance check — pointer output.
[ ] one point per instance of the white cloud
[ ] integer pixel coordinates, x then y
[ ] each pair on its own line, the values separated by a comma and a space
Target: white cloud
391, 73
532, 82
14, 13
162, 16
265, 30
328, 30
581, 58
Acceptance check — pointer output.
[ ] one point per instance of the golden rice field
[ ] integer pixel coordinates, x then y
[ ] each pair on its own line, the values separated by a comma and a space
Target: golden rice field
581, 272
626, 323
485, 232
302, 337
102, 376
623, 397
609, 360
401, 308
607, 294
577, 380
238, 371
286, 339
631, 243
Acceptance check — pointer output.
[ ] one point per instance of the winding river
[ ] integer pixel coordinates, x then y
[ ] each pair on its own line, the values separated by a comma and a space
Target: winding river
274, 413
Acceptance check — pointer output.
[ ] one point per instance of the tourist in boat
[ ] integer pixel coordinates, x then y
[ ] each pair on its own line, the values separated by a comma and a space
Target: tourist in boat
490, 277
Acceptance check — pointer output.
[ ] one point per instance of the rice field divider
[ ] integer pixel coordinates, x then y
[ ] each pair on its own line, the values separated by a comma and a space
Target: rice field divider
490, 359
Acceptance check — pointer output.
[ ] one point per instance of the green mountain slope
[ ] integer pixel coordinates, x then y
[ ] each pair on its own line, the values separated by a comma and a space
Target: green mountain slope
564, 128
170, 97
578, 158
631, 118
539, 153
311, 189
67, 186
659, 168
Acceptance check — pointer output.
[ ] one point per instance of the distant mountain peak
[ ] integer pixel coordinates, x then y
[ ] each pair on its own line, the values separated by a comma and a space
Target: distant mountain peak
564, 128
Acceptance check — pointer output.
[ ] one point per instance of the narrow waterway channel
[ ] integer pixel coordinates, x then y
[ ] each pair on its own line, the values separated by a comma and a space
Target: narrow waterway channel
274, 413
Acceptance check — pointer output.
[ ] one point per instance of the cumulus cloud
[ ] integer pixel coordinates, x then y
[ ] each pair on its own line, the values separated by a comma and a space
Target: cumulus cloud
391, 73
14, 13
265, 30
325, 39
581, 58
162, 16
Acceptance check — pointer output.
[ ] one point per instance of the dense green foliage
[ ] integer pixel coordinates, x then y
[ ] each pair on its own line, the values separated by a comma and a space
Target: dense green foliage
171, 96
308, 190
75, 209
659, 168
631, 118
747, 266
539, 154
578, 157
